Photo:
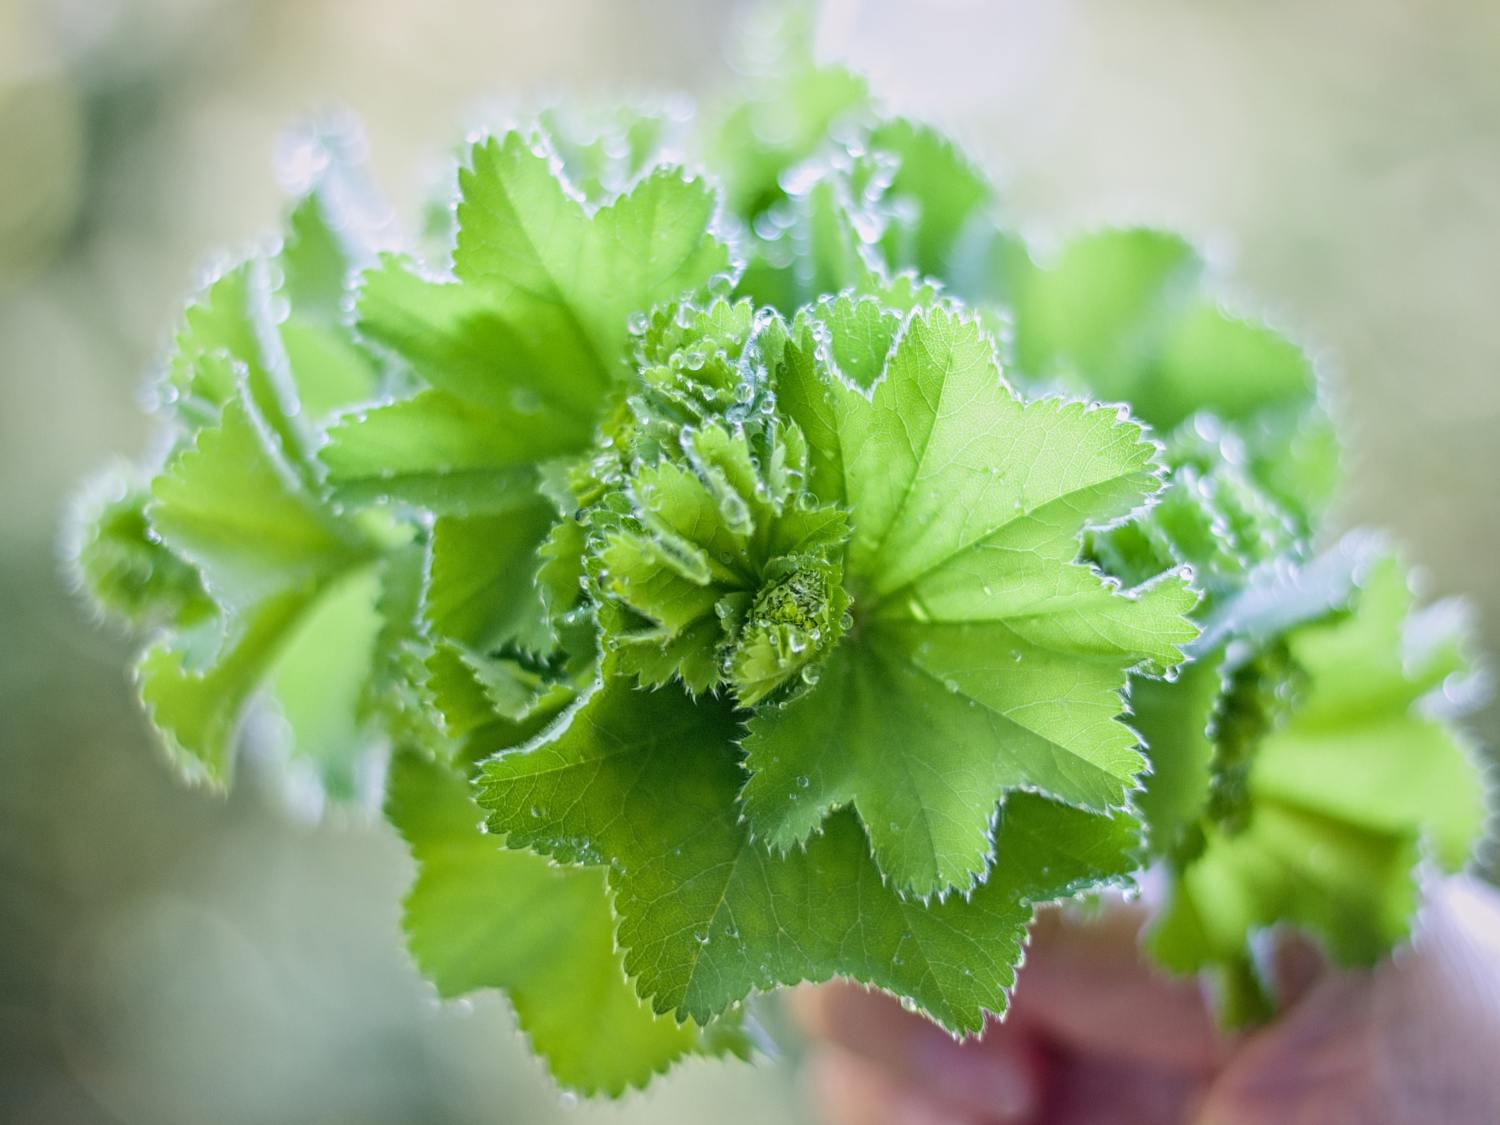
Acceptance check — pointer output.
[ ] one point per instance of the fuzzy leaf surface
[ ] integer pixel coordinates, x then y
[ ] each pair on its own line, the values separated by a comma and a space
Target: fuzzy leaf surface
645, 783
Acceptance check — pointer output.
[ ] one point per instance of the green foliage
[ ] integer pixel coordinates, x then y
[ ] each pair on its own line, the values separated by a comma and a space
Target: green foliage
482, 917
1331, 770
961, 557
644, 783
812, 581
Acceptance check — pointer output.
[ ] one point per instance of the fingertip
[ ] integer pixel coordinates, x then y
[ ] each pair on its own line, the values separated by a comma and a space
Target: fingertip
850, 1090
998, 1077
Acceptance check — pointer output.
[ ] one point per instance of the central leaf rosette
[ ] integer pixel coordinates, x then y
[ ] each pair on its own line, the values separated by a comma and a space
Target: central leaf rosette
878, 560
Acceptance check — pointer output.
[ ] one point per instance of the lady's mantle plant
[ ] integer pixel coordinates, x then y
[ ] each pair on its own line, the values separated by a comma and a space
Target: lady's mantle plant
795, 576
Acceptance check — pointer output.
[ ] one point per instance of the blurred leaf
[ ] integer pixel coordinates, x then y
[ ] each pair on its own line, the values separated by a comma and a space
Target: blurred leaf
1339, 779
126, 571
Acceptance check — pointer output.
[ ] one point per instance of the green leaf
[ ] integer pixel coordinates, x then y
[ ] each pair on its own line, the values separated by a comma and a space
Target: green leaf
481, 585
1344, 783
233, 510
1359, 745
481, 917
336, 223
1092, 316
645, 782
604, 149
524, 349
948, 466
395, 698
815, 241
290, 584
127, 572
789, 111
276, 328
937, 194
1173, 718
333, 231
1124, 316
195, 684
970, 616
319, 679
1217, 521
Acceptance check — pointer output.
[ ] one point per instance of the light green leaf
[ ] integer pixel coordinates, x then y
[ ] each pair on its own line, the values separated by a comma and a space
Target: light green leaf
1173, 718
813, 242
970, 615
319, 679
1092, 317
482, 917
936, 193
1359, 745
947, 463
294, 594
1217, 521
196, 684
232, 509
523, 233
789, 111
923, 727
127, 573
1125, 316
523, 350
1343, 783
435, 451
604, 149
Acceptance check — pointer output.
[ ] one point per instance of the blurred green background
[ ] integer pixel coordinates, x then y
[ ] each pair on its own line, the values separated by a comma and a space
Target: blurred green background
167, 957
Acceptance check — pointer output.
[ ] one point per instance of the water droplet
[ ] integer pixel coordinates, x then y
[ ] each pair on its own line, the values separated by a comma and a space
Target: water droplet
803, 781
536, 811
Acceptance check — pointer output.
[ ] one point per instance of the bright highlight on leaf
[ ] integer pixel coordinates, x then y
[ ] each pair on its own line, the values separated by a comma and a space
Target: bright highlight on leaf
797, 577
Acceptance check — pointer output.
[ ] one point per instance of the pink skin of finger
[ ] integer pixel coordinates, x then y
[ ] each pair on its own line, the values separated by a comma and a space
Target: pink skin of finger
1096, 1035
